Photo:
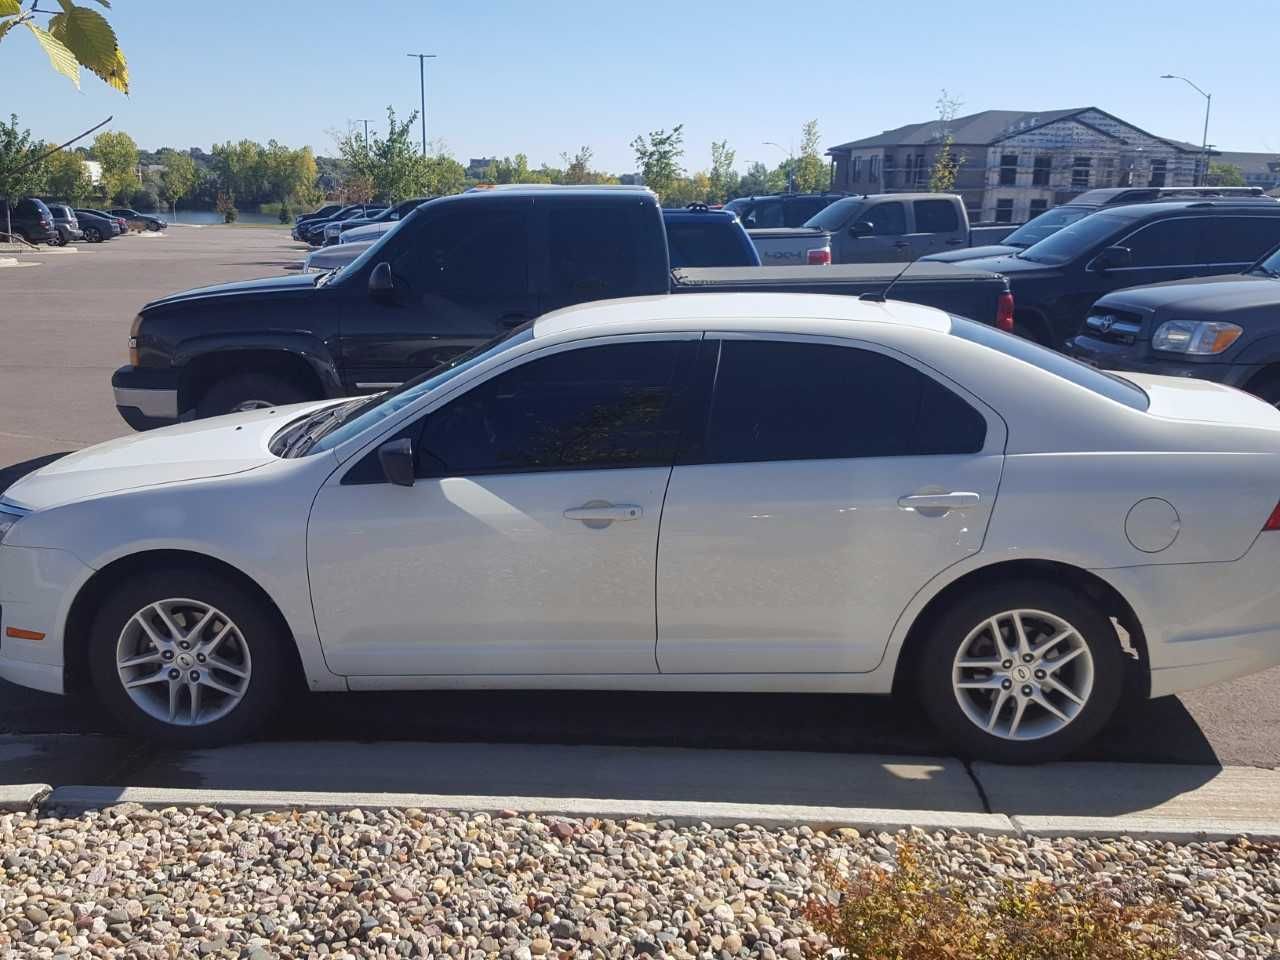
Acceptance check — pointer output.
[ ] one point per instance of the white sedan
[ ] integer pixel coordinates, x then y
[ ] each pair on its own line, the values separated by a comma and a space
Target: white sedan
694, 492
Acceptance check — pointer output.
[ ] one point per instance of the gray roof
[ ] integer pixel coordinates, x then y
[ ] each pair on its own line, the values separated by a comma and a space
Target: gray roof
1256, 162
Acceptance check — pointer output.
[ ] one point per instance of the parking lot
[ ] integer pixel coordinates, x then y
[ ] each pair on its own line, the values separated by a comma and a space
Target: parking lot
65, 324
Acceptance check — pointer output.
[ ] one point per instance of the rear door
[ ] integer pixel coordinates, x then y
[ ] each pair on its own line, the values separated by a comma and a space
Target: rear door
767, 212
462, 278
830, 481
938, 227
1233, 244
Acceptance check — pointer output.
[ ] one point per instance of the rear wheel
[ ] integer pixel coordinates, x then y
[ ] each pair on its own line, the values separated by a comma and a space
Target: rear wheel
187, 656
249, 391
1023, 672
92, 234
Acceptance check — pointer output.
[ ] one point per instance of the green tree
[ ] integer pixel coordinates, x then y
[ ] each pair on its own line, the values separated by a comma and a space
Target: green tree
77, 37
1224, 175
811, 173
118, 154
517, 170
66, 178
20, 175
442, 175
226, 205
289, 174
754, 182
658, 157
946, 163
241, 169
179, 177
389, 166
723, 178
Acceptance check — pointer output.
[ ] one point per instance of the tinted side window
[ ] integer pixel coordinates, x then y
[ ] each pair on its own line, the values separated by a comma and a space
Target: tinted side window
1166, 243
936, 216
592, 253
778, 400
711, 244
767, 213
596, 407
889, 219
1238, 239
800, 209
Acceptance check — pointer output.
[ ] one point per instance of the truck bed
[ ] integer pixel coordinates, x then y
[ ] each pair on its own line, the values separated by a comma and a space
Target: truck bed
969, 293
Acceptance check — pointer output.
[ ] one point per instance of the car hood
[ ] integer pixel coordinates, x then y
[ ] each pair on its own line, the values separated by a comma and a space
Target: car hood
972, 253
1009, 265
200, 450
266, 285
1221, 294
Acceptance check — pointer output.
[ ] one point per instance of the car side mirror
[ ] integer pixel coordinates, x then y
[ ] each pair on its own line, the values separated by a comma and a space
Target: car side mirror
381, 283
396, 457
1114, 257
863, 228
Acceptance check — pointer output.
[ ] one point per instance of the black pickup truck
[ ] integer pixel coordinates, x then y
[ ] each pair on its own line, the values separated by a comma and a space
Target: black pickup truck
456, 272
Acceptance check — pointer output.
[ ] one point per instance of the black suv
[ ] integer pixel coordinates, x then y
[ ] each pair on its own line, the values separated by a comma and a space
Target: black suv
1223, 328
1057, 280
30, 219
781, 210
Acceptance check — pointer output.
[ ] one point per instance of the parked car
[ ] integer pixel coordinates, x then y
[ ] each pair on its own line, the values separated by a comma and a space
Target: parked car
1057, 280
329, 235
96, 225
29, 219
740, 492
1091, 201
324, 213
312, 231
781, 210
65, 222
139, 221
453, 274
1224, 328
334, 230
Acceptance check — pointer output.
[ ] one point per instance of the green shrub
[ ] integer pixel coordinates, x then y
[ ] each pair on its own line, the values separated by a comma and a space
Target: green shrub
910, 914
285, 214
226, 205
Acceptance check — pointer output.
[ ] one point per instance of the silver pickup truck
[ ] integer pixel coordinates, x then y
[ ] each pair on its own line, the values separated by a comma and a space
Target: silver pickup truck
877, 228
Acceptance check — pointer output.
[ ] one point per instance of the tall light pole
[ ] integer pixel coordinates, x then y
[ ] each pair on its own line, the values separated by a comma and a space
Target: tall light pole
1208, 102
791, 164
366, 132
422, 87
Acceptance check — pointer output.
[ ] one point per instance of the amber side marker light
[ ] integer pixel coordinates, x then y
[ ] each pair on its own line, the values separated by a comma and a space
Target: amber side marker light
17, 633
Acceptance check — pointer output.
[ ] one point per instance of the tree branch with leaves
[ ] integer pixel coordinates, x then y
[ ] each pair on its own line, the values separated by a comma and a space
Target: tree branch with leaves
73, 38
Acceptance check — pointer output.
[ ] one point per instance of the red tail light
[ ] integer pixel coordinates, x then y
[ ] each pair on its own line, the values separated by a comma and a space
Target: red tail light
1004, 312
1273, 521
819, 258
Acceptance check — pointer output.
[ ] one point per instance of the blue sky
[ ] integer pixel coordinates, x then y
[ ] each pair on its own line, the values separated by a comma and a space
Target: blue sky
548, 77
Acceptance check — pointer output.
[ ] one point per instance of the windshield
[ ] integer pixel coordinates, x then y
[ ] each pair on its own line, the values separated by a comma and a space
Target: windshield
1070, 242
378, 408
834, 216
1107, 384
1049, 222
1269, 265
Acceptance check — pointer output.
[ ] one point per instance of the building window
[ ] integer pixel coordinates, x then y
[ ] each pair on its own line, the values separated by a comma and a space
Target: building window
857, 169
1106, 172
1004, 210
1008, 169
1080, 173
921, 169
873, 168
1040, 173
1037, 207
1158, 168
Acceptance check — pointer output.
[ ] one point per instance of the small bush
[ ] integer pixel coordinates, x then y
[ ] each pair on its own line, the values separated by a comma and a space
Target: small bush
909, 914
286, 214
226, 205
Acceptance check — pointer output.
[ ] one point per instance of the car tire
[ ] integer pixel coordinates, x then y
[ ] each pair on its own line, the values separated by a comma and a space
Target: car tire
1034, 719
241, 679
92, 235
248, 391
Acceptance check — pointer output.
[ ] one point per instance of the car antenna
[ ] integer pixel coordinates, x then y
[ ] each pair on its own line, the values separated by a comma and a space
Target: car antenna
884, 294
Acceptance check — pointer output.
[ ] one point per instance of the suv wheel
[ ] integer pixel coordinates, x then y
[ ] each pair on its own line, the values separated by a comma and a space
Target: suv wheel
92, 235
249, 391
1023, 672
186, 656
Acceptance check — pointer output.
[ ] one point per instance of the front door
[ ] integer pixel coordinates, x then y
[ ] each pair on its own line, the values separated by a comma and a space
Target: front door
462, 278
528, 544
833, 482
885, 242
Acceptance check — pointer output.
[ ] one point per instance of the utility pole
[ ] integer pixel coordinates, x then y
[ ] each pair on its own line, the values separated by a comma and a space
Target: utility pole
1204, 143
366, 132
422, 88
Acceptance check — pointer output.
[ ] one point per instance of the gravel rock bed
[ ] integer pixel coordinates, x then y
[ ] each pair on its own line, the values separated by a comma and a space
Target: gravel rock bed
407, 883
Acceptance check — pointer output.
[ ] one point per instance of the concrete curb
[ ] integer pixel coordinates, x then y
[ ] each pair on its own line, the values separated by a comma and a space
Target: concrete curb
76, 799
22, 796
1158, 829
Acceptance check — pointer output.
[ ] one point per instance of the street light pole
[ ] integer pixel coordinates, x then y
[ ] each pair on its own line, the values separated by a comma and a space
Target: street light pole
366, 132
422, 89
1204, 143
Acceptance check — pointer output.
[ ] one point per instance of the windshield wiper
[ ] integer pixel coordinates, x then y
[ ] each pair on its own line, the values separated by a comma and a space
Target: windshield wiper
1266, 272
320, 424
326, 276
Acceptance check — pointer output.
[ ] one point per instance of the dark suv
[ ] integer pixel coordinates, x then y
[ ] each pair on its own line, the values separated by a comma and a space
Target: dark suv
1223, 328
30, 219
781, 210
1057, 280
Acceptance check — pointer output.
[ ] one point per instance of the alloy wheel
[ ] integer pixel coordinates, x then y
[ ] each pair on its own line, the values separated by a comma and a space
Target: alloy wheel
1023, 675
183, 662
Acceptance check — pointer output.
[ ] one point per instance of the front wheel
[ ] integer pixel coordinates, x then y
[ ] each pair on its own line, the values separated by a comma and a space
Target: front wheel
249, 391
187, 656
1023, 672
92, 235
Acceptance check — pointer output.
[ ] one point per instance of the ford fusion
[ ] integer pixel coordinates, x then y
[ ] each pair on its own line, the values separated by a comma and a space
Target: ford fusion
725, 492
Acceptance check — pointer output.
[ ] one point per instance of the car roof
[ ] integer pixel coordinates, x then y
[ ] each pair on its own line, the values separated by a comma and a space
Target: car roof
684, 215
812, 313
1206, 206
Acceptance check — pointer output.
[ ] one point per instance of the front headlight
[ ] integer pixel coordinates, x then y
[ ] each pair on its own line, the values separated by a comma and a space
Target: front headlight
1198, 337
7, 520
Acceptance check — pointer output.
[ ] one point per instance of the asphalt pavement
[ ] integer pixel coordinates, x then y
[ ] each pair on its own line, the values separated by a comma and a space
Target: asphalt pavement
65, 323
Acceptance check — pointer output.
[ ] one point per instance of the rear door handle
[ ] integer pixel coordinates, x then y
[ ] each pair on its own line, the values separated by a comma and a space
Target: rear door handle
938, 504
601, 513
955, 243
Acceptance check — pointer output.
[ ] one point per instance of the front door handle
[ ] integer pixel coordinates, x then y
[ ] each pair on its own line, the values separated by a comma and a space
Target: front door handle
601, 513
955, 243
938, 504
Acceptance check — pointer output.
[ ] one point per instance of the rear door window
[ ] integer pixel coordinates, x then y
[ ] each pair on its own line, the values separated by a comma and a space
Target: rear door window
715, 243
1238, 240
767, 213
799, 210
936, 216
592, 252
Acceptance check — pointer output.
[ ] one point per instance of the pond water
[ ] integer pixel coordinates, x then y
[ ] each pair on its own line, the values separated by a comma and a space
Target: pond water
212, 216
